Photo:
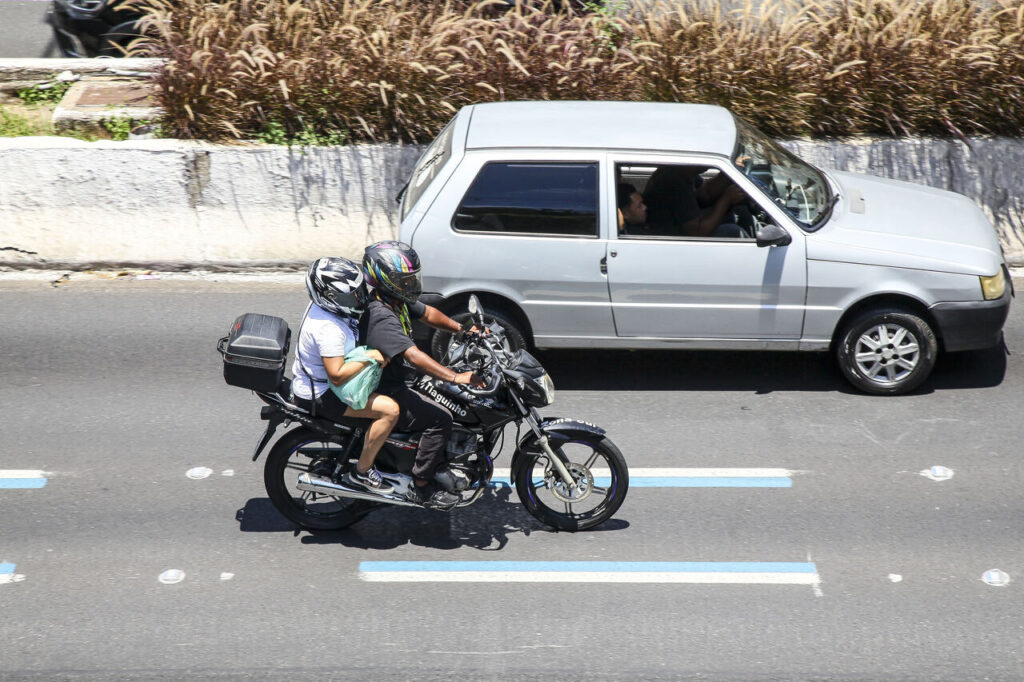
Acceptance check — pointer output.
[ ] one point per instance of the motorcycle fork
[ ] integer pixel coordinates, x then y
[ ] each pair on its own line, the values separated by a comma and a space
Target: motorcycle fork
533, 419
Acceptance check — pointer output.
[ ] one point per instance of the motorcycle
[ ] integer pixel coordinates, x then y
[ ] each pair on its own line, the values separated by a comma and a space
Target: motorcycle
567, 473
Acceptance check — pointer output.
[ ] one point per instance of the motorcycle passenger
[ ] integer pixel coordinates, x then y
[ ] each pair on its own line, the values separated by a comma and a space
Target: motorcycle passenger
329, 330
392, 270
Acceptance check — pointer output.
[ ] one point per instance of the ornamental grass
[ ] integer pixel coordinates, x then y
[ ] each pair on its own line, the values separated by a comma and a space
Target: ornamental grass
397, 70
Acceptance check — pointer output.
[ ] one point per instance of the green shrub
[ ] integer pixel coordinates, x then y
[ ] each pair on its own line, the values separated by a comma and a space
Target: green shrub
12, 125
396, 70
44, 95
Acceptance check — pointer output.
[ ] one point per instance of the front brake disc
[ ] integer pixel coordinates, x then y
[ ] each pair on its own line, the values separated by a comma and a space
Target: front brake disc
579, 492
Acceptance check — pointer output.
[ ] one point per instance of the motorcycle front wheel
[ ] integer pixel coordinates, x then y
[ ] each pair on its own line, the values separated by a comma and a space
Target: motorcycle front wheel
302, 450
599, 470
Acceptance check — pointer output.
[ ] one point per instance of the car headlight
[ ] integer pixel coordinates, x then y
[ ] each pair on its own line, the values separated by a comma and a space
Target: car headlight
549, 388
993, 287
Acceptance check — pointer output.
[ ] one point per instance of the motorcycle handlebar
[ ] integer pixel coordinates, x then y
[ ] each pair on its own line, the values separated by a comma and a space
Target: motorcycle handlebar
489, 389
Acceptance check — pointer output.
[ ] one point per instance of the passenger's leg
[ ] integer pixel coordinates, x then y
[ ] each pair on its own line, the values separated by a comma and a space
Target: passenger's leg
384, 412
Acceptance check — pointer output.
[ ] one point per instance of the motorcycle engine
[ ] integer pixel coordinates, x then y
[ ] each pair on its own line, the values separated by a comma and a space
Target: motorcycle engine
462, 444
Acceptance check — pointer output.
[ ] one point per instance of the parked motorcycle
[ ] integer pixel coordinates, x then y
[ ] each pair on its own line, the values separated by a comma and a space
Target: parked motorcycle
567, 473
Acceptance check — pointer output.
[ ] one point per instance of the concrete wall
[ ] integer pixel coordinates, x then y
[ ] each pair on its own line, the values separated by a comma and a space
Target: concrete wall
171, 204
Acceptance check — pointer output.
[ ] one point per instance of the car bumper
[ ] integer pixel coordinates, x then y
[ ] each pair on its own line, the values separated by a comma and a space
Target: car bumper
972, 325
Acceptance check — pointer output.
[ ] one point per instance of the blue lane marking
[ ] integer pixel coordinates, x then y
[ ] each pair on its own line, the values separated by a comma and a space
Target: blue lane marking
594, 566
6, 568
689, 482
22, 482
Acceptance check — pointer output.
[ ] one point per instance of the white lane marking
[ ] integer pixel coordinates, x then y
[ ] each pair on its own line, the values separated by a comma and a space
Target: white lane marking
895, 577
227, 576
938, 473
22, 473
197, 473
716, 578
228, 472
171, 576
995, 578
7, 574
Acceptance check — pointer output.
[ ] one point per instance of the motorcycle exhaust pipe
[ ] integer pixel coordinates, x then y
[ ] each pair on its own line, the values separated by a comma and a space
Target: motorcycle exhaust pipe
325, 486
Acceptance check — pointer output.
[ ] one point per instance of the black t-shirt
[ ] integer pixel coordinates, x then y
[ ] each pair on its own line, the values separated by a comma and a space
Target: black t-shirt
380, 328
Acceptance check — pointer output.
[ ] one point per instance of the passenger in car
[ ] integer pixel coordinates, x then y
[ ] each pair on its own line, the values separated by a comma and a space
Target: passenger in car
632, 212
680, 203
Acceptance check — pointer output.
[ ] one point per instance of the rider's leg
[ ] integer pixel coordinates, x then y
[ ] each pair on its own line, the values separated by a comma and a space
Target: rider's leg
420, 413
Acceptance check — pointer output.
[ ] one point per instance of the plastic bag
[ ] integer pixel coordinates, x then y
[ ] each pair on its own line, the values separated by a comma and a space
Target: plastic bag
356, 391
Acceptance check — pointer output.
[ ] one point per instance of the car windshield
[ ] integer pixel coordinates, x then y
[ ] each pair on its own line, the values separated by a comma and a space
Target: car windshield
795, 185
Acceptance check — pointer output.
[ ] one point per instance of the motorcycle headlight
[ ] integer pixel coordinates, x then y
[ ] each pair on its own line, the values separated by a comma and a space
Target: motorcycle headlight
549, 388
994, 286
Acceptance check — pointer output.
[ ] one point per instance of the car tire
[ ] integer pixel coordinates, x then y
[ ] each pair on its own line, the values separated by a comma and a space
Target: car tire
887, 351
514, 337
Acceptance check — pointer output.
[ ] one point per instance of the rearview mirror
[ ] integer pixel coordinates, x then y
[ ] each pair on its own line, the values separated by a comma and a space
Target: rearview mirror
772, 235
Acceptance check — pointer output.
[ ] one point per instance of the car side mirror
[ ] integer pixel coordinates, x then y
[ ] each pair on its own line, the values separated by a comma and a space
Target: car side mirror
772, 235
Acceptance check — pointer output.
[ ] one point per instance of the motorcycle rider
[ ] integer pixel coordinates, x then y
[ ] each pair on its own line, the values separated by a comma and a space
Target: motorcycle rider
338, 294
392, 270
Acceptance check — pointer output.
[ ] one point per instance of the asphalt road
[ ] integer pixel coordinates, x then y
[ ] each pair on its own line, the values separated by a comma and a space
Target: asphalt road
113, 389
24, 31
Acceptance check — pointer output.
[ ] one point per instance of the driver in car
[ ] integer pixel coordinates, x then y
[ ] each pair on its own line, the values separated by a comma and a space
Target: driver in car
678, 202
392, 270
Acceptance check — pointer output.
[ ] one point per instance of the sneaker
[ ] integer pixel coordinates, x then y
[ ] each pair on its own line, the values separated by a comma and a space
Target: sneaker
452, 480
432, 497
371, 480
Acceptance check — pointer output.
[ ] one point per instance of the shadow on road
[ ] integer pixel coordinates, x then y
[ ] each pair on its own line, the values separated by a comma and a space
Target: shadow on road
755, 371
486, 525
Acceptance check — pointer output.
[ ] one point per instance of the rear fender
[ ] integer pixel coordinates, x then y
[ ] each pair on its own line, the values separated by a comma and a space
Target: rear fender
558, 430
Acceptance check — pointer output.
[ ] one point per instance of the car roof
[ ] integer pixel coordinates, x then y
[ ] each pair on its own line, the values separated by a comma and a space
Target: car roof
666, 126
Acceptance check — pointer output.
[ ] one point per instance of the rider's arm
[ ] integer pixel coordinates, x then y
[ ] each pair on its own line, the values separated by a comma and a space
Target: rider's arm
438, 320
431, 367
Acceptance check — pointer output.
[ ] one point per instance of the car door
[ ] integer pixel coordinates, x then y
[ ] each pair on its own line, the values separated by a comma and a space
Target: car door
719, 292
529, 226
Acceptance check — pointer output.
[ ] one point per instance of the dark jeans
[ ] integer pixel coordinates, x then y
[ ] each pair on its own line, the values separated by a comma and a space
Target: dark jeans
420, 413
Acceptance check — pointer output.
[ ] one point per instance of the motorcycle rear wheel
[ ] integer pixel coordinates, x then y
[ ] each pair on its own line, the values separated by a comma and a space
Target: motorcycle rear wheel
303, 450
536, 480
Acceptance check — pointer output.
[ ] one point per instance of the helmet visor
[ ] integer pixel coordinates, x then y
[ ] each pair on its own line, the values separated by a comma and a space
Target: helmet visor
407, 285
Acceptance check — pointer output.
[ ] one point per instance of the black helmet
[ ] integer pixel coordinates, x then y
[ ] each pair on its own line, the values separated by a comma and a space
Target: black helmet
337, 286
393, 269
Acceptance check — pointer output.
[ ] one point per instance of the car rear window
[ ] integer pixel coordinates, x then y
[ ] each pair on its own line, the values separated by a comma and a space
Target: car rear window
558, 199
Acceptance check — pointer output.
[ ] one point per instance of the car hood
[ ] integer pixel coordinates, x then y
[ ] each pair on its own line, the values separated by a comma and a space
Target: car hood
899, 224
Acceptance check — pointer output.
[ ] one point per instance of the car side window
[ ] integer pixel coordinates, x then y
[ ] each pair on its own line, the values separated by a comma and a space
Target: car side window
532, 198
680, 201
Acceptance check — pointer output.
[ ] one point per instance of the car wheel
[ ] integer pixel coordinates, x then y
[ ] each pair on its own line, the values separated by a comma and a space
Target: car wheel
514, 337
887, 351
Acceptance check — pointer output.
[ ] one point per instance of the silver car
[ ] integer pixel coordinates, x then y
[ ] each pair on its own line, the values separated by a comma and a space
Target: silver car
655, 225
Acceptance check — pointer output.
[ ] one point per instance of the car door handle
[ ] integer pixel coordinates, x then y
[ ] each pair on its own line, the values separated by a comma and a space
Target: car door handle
604, 265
